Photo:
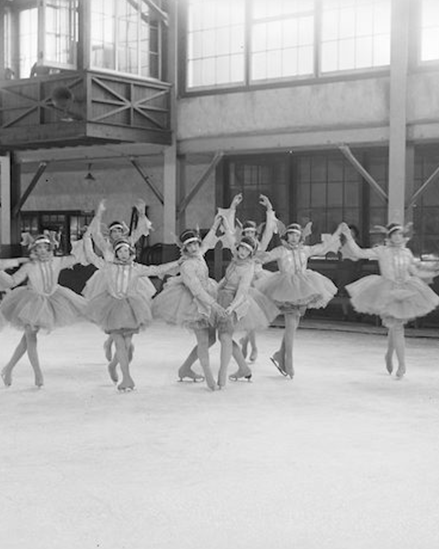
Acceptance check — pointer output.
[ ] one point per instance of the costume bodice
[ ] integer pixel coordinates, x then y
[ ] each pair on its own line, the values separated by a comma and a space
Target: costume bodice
43, 275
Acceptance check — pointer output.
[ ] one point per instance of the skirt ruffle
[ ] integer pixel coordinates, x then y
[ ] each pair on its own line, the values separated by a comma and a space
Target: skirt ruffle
129, 314
377, 295
308, 290
257, 313
97, 284
23, 307
175, 304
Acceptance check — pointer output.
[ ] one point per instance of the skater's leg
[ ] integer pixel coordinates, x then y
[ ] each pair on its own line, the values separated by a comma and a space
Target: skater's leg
254, 348
32, 353
127, 382
399, 342
244, 341
203, 343
108, 343
6, 373
291, 324
243, 368
390, 350
225, 356
185, 369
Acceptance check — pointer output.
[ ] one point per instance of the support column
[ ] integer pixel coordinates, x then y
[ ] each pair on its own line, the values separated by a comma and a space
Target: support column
398, 110
170, 171
5, 199
170, 193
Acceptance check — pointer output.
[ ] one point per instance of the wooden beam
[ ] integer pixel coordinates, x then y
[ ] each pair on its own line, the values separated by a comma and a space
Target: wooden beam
216, 159
163, 15
30, 188
362, 171
145, 177
423, 187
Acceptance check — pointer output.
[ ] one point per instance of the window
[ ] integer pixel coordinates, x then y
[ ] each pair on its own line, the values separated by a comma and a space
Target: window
243, 42
215, 52
282, 42
66, 227
125, 37
430, 30
60, 33
328, 191
355, 34
28, 41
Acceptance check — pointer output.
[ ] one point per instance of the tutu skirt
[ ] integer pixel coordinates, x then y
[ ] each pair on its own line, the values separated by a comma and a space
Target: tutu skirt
23, 307
307, 290
128, 314
175, 304
257, 313
404, 301
97, 284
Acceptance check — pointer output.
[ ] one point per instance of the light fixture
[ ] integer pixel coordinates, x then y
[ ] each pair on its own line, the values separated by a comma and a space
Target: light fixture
89, 176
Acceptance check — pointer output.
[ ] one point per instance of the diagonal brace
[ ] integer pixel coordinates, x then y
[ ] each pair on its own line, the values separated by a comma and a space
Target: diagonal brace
145, 177
362, 171
185, 202
423, 187
30, 188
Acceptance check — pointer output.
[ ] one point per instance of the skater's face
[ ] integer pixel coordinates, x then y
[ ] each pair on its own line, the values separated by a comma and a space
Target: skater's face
123, 253
243, 252
116, 233
293, 238
397, 237
249, 232
192, 248
42, 251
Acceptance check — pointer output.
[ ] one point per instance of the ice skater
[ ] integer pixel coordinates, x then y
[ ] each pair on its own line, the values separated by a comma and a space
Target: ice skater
119, 306
247, 309
189, 300
40, 305
104, 238
398, 294
295, 288
251, 230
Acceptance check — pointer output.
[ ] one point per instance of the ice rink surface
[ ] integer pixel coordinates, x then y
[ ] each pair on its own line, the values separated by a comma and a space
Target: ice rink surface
342, 457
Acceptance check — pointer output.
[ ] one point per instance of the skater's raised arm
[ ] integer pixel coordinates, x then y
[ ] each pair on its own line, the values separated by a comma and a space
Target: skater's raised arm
144, 225
270, 223
354, 248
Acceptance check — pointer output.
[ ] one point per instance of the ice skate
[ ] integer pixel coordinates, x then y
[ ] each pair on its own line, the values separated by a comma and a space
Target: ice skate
275, 360
126, 385
6, 377
190, 375
253, 355
39, 381
241, 375
400, 371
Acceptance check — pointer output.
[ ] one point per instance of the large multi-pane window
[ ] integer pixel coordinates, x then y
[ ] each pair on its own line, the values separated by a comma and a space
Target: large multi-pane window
244, 42
28, 45
125, 37
355, 34
60, 33
429, 30
282, 39
215, 37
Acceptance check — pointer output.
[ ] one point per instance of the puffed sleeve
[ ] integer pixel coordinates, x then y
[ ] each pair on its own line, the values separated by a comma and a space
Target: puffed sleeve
89, 253
9, 281
160, 270
190, 279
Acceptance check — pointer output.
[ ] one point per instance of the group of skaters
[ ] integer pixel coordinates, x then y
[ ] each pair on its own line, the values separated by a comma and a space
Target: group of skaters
120, 298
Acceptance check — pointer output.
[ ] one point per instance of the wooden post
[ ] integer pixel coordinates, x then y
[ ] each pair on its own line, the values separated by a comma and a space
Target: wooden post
398, 110
5, 198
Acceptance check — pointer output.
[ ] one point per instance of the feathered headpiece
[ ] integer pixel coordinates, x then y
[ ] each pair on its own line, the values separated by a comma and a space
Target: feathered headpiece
389, 229
47, 237
304, 232
188, 236
248, 242
106, 229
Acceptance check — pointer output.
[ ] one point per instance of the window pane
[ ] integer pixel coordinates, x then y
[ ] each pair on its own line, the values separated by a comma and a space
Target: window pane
361, 28
215, 32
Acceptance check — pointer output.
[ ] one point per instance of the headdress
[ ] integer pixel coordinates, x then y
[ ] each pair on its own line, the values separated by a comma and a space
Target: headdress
118, 225
296, 228
48, 237
123, 243
188, 236
248, 242
390, 228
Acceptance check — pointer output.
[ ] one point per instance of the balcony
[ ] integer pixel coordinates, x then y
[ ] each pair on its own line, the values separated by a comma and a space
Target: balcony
74, 108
